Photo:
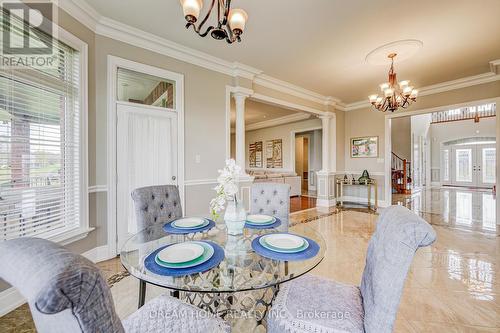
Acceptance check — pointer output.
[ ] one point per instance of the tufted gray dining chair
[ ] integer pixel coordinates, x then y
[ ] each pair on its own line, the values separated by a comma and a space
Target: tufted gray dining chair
270, 199
370, 308
155, 204
159, 203
67, 293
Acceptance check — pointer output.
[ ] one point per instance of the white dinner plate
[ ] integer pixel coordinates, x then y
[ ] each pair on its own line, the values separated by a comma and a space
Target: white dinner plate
181, 252
262, 242
207, 254
190, 222
260, 219
284, 241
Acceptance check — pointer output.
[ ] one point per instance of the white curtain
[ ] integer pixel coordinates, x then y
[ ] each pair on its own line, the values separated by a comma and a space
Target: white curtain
145, 157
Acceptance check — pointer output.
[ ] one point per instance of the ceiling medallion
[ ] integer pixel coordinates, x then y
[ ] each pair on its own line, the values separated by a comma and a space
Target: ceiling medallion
230, 22
396, 95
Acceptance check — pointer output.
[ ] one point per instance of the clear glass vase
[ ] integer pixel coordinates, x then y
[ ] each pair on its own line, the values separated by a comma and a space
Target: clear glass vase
235, 217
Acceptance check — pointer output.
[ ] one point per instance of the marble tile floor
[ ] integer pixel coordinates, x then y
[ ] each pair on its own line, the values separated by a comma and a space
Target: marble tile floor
455, 207
452, 286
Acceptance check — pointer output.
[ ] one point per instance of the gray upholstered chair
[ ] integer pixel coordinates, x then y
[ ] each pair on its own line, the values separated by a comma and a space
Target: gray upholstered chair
67, 293
270, 199
159, 203
155, 204
370, 308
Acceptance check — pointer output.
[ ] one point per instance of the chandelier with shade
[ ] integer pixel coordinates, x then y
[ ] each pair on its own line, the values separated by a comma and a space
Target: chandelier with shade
395, 94
230, 22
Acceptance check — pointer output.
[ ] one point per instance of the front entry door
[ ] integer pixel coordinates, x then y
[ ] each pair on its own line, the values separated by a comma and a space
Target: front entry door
464, 162
486, 165
471, 165
146, 155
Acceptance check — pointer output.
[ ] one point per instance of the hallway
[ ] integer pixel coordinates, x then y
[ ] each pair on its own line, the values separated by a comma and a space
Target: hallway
455, 207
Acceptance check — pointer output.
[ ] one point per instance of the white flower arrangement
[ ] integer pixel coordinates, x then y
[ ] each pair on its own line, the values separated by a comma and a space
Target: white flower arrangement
226, 189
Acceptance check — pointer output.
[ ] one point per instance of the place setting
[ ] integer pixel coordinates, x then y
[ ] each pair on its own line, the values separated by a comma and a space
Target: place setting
285, 246
184, 258
187, 225
260, 221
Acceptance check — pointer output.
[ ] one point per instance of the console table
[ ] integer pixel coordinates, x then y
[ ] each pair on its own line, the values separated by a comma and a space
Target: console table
372, 183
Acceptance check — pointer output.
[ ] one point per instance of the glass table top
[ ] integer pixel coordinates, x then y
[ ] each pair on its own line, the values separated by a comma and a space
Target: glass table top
242, 269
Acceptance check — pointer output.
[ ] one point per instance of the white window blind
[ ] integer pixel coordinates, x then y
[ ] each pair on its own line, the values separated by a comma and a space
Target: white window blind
40, 181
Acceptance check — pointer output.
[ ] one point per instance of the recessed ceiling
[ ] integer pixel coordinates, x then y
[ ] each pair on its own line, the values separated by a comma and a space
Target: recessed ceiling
256, 112
321, 45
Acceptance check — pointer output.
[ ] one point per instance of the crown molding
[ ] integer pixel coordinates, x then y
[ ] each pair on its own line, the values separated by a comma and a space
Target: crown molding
495, 66
465, 82
278, 121
291, 89
286, 104
81, 11
107, 27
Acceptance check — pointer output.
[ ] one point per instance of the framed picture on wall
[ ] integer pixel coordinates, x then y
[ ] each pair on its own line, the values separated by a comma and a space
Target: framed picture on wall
255, 152
364, 147
274, 154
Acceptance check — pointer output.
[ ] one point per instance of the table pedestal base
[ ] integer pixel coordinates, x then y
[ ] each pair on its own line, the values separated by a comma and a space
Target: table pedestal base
246, 311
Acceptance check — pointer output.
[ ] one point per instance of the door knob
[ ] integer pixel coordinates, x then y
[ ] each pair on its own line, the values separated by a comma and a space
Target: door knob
174, 178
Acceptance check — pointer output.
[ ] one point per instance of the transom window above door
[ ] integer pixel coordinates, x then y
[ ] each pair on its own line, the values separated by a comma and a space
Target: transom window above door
140, 88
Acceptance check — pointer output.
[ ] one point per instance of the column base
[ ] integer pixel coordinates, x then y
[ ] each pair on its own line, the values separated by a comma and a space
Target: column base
326, 189
326, 203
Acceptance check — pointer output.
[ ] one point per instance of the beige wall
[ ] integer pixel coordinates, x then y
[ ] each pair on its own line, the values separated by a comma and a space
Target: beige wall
341, 140
401, 137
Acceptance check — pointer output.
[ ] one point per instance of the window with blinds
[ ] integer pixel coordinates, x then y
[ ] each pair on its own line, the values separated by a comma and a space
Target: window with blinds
40, 185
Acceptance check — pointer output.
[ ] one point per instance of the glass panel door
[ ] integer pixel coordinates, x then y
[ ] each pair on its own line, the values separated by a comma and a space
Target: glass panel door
486, 165
463, 166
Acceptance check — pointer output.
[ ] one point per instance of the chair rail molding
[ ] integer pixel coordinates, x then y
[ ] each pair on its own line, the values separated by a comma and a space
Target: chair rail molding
97, 188
196, 182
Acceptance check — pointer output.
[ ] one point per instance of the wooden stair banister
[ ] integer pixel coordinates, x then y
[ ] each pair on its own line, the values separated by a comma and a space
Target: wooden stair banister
401, 174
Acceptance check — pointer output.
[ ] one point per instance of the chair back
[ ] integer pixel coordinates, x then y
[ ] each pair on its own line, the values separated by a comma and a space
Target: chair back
398, 235
159, 203
270, 199
65, 291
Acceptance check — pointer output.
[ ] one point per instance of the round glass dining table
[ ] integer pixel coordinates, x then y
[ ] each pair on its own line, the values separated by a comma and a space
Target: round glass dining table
242, 286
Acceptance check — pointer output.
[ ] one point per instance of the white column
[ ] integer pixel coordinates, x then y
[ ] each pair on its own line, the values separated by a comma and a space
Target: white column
325, 144
326, 177
240, 129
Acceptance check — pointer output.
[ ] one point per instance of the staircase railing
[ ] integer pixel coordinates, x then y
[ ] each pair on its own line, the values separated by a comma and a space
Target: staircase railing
401, 168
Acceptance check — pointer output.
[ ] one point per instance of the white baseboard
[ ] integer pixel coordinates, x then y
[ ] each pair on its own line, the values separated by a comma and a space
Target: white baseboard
10, 299
360, 200
326, 202
98, 254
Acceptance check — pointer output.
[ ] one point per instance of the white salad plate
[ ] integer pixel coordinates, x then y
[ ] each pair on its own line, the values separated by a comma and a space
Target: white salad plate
181, 253
260, 219
284, 241
190, 223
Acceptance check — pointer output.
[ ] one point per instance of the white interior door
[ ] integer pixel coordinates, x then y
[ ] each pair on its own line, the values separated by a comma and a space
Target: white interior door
146, 155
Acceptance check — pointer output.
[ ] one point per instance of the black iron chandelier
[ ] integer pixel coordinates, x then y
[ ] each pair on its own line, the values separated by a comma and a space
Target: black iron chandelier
230, 22
396, 95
